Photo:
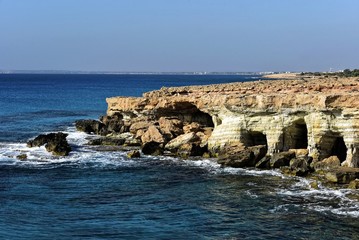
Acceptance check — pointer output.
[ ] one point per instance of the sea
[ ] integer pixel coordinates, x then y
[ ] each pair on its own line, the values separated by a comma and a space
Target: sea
104, 195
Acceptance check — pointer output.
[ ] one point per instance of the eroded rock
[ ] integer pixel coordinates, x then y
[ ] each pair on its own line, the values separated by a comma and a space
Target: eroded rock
134, 154
90, 126
55, 143
152, 135
281, 159
152, 148
342, 175
327, 163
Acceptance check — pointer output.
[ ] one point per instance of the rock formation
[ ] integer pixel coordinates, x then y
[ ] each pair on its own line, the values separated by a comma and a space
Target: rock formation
55, 143
319, 116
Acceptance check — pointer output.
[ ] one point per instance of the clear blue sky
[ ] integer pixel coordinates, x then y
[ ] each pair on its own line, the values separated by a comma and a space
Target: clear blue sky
179, 35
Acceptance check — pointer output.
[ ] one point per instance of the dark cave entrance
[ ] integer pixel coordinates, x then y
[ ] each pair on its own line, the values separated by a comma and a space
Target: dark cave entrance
256, 138
186, 112
339, 149
296, 136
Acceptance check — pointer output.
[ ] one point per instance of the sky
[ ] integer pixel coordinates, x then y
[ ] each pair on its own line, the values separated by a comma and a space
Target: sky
179, 35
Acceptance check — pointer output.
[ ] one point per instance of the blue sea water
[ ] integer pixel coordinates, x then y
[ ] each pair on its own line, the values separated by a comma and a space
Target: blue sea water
105, 195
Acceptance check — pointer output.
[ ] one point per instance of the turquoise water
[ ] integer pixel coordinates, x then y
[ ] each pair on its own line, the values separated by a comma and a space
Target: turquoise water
104, 195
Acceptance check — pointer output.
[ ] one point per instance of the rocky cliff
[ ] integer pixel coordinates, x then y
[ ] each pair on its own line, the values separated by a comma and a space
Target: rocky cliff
317, 114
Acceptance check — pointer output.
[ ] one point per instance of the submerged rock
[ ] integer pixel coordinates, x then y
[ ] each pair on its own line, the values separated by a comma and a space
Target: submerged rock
22, 156
55, 143
134, 154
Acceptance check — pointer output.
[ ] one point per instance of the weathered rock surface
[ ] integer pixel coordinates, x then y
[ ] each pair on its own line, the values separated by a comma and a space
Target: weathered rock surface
152, 135
134, 154
152, 148
107, 141
354, 184
55, 143
327, 163
342, 175
281, 159
298, 166
320, 115
89, 126
241, 156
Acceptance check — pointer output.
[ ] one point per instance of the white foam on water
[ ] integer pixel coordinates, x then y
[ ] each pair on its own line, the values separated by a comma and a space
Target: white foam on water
82, 154
323, 199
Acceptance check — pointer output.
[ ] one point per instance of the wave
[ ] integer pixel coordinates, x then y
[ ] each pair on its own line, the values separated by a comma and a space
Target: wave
322, 199
298, 192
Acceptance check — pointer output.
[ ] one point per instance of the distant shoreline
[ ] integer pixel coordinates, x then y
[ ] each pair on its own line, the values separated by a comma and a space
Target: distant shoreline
130, 73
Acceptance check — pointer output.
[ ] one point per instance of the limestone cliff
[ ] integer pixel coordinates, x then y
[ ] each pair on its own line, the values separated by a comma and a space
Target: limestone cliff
318, 114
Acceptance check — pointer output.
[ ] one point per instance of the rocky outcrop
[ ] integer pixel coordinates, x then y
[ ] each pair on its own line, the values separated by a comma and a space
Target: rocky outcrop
55, 143
320, 116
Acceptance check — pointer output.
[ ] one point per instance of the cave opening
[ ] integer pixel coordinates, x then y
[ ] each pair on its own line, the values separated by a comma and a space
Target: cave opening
339, 149
255, 138
186, 112
296, 136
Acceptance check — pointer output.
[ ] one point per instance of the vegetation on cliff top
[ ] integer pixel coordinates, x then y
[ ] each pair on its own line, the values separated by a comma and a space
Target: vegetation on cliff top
345, 73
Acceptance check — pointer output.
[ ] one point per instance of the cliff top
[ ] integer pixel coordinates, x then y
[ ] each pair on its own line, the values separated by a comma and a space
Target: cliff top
306, 93
302, 85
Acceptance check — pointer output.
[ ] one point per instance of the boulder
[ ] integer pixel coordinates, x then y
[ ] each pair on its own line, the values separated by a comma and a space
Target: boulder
90, 126
230, 150
139, 134
171, 127
354, 184
247, 157
174, 144
152, 135
281, 159
191, 149
327, 163
342, 175
141, 125
243, 158
55, 143
264, 162
298, 166
114, 123
152, 148
134, 154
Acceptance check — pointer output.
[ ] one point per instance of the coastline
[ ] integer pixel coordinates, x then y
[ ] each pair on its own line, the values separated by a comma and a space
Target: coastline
302, 126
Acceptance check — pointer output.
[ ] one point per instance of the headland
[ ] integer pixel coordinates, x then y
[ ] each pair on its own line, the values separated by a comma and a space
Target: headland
301, 124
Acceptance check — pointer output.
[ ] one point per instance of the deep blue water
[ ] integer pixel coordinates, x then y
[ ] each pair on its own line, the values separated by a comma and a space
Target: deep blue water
104, 195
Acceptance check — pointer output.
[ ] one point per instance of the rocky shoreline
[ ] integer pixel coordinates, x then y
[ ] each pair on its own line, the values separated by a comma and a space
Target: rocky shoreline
305, 127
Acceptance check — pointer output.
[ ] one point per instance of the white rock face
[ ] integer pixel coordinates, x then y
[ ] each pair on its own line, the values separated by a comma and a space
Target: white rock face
322, 133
